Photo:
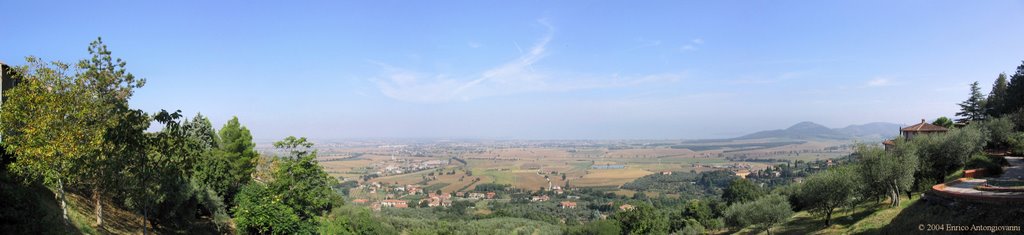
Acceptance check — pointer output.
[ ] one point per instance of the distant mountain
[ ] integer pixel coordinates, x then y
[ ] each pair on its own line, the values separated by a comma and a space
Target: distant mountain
810, 130
874, 130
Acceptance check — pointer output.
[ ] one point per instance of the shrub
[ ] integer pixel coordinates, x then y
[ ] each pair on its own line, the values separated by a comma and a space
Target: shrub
1017, 143
991, 165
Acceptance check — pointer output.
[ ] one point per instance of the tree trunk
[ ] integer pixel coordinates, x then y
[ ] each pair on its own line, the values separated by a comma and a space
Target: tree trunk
63, 201
896, 194
828, 218
99, 206
145, 220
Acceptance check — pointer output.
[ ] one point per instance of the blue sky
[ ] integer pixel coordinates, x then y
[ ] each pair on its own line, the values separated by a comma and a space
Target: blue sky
536, 69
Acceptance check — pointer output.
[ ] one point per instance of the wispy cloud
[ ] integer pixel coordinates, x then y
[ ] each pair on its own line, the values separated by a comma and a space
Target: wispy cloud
769, 79
879, 82
692, 45
513, 77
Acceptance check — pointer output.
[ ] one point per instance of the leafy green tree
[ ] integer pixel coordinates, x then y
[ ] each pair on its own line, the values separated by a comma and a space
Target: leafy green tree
972, 109
999, 133
49, 122
887, 173
943, 153
828, 190
642, 219
600, 227
741, 190
113, 86
762, 213
943, 122
696, 210
1015, 91
231, 165
353, 220
995, 105
201, 130
259, 211
166, 170
300, 182
89, 108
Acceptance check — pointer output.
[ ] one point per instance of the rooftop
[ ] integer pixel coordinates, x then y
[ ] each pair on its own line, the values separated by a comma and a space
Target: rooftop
924, 127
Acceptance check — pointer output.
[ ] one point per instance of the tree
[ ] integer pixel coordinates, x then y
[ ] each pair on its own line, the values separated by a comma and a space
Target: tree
887, 173
696, 210
260, 212
1015, 91
299, 186
995, 105
162, 176
825, 191
50, 124
642, 219
943, 122
113, 86
86, 109
999, 132
943, 153
599, 227
972, 109
231, 165
300, 182
762, 213
741, 190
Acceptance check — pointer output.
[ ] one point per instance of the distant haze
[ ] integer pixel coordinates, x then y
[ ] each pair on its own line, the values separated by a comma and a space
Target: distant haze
537, 70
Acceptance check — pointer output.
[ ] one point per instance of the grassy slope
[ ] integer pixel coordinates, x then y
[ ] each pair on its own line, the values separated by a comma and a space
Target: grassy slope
33, 209
880, 219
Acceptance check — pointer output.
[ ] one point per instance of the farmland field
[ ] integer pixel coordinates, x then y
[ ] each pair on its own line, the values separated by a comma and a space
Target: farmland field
526, 167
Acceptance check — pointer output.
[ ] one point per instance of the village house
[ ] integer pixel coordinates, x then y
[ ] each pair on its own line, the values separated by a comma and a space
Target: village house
491, 195
909, 132
477, 195
540, 198
460, 194
666, 173
438, 200
567, 205
626, 207
742, 173
394, 203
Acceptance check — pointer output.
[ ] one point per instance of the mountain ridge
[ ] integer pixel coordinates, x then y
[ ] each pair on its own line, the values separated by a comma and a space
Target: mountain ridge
809, 130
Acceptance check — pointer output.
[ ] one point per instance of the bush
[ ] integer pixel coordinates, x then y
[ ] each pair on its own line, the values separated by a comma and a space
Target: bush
999, 133
259, 212
992, 165
762, 213
1017, 143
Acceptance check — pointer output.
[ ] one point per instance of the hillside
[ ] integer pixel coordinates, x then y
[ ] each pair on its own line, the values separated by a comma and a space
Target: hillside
874, 130
32, 209
813, 131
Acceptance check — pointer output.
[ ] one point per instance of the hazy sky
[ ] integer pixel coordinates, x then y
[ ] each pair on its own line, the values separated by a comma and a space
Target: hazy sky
536, 69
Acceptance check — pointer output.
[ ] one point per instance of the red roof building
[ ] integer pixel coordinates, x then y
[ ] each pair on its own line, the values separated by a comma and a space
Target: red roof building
917, 129
394, 203
921, 128
567, 205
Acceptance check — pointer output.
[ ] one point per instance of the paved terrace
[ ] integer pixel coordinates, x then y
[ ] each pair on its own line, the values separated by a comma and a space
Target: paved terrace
964, 187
